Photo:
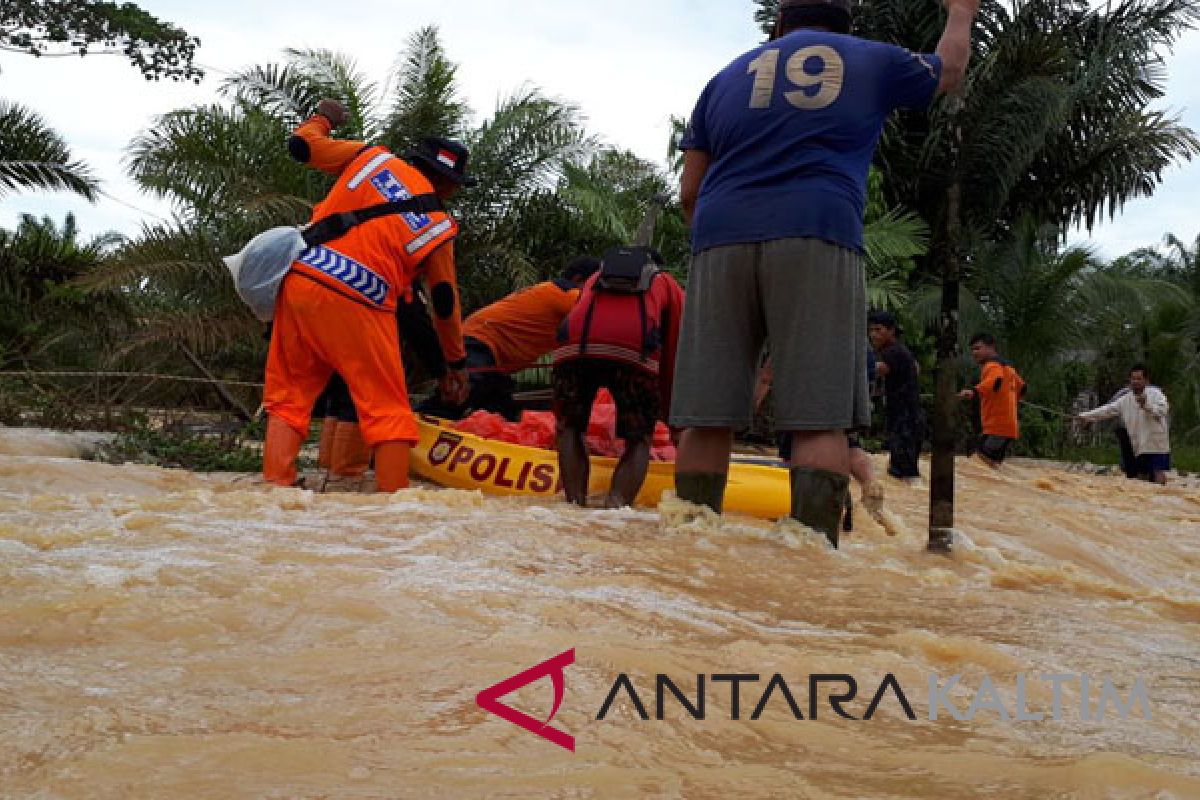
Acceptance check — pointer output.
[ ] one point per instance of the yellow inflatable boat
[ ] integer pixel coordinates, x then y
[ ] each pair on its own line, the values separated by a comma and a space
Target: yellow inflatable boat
461, 460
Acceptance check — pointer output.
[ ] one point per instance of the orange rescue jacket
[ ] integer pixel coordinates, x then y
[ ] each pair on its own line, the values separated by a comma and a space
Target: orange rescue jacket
523, 327
999, 391
394, 246
377, 261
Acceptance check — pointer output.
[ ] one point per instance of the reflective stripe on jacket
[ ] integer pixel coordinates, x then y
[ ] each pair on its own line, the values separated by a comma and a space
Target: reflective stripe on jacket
378, 258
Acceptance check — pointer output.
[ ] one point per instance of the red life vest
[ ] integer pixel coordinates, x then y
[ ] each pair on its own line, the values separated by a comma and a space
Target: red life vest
620, 326
377, 260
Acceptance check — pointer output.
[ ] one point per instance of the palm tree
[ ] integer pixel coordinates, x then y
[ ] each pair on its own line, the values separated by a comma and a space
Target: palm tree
1170, 343
227, 175
34, 156
44, 319
1048, 305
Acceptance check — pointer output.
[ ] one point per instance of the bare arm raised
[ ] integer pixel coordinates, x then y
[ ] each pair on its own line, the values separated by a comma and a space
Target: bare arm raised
954, 48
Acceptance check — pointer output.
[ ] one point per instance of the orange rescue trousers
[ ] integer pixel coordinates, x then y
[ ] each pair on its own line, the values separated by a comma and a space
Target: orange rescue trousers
349, 456
317, 332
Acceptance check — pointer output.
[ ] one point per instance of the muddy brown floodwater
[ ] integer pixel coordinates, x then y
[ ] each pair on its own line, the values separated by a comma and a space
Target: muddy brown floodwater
164, 634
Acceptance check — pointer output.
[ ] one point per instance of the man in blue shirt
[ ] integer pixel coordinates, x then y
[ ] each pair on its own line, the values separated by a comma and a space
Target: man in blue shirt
774, 183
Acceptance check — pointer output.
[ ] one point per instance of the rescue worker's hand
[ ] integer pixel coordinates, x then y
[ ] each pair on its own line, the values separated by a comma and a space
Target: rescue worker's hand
333, 111
454, 387
882, 369
967, 5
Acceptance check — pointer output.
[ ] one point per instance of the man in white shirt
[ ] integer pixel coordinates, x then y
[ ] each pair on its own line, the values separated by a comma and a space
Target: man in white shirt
1145, 413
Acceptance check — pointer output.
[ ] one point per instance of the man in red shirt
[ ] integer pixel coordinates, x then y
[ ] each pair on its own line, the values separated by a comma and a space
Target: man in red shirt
622, 335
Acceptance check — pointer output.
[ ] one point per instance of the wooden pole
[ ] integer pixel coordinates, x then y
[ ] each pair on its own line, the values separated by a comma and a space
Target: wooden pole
222, 390
941, 482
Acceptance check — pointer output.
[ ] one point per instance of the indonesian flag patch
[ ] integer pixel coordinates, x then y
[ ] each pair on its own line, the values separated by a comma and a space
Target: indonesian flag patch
447, 158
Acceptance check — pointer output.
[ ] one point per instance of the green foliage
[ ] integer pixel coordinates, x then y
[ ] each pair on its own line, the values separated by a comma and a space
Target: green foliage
1042, 434
1057, 120
25, 402
179, 447
547, 190
893, 239
45, 320
766, 14
425, 97
80, 27
34, 156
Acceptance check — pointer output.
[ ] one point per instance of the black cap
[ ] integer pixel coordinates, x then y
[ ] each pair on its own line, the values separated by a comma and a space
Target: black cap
444, 157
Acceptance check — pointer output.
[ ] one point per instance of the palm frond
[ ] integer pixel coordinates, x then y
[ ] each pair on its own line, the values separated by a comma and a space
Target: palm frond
169, 254
424, 99
34, 156
524, 147
212, 162
894, 236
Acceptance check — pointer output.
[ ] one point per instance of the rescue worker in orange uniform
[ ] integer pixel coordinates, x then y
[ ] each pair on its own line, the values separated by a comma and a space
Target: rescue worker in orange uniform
336, 308
999, 393
511, 335
342, 449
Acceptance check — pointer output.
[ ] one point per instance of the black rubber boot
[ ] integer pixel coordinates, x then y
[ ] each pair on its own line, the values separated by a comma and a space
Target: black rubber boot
702, 488
819, 499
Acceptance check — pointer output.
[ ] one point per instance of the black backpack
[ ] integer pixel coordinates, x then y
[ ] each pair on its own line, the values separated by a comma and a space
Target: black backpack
625, 270
629, 270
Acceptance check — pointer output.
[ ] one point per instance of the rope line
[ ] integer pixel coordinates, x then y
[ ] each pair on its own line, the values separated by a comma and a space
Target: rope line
151, 375
1062, 414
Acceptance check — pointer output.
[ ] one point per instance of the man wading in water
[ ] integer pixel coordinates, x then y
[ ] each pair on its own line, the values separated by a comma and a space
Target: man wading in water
774, 185
999, 393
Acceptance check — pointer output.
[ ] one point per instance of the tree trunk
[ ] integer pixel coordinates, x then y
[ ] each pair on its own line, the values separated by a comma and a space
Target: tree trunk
645, 233
941, 482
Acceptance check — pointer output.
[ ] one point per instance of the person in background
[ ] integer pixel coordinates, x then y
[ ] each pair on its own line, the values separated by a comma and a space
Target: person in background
774, 186
905, 419
511, 335
1128, 458
622, 335
1145, 413
999, 393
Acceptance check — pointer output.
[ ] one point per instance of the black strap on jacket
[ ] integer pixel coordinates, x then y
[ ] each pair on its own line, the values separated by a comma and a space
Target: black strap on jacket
335, 226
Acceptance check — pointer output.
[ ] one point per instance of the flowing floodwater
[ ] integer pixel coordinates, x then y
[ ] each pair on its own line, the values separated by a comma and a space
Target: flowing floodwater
164, 634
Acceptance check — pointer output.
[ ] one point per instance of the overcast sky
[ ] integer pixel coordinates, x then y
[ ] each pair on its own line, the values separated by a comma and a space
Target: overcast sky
628, 64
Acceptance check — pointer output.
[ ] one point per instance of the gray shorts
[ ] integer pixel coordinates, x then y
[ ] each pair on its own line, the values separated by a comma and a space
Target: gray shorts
807, 297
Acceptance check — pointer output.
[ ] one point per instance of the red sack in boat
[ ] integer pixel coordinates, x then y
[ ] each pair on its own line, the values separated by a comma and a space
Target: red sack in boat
602, 428
483, 424
536, 429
